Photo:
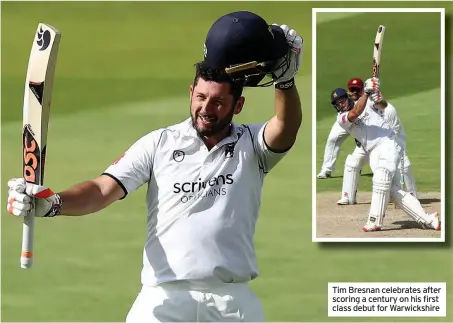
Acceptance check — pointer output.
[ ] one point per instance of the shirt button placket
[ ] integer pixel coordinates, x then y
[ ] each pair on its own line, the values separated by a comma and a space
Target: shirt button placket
208, 160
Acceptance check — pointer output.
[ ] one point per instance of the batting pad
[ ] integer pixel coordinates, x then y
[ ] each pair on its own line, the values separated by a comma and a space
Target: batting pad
410, 205
351, 177
382, 180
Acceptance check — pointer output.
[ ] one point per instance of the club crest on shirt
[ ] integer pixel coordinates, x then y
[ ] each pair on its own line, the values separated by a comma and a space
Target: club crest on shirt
229, 150
178, 156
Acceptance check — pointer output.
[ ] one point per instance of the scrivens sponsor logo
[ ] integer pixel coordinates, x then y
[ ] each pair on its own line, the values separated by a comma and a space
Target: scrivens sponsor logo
216, 186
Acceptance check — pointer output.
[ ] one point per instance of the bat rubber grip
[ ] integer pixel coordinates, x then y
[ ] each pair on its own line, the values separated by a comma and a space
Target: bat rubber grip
26, 257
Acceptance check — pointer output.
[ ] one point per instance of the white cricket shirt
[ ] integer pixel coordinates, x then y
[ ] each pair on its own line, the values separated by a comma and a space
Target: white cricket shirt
202, 205
391, 116
370, 128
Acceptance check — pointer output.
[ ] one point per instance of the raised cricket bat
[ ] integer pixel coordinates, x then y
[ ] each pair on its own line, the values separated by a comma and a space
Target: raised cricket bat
378, 41
37, 96
377, 50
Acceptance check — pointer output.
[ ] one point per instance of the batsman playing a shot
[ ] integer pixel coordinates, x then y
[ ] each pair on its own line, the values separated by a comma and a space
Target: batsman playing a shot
355, 161
204, 178
366, 124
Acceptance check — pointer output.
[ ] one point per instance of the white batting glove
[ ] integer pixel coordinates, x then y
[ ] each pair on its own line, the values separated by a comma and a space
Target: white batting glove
377, 97
372, 85
20, 202
290, 67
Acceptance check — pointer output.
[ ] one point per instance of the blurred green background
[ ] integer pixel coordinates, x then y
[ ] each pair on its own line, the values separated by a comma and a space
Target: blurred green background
124, 69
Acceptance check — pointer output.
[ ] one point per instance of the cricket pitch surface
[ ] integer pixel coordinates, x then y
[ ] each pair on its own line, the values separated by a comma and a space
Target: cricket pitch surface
339, 221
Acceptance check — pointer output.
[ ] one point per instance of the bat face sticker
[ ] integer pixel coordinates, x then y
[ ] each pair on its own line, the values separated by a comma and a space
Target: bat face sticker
43, 39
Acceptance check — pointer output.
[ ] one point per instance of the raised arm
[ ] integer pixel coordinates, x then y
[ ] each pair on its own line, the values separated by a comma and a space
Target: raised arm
358, 108
371, 86
84, 198
123, 176
281, 131
90, 196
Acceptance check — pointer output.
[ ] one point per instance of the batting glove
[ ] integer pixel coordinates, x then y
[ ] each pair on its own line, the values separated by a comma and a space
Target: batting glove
290, 64
372, 85
20, 199
376, 97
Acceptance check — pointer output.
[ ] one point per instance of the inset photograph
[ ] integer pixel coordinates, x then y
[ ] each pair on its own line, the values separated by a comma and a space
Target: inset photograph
378, 170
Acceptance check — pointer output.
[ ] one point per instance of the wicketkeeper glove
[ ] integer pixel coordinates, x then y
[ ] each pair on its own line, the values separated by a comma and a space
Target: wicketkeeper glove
372, 85
290, 64
20, 202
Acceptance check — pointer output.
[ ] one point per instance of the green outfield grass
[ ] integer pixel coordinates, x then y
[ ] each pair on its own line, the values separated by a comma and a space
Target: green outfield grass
124, 70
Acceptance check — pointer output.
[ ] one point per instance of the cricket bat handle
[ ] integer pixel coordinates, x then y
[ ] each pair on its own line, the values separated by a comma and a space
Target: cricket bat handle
28, 229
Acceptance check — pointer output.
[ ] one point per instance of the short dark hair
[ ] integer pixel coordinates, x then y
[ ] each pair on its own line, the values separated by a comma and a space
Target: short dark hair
218, 76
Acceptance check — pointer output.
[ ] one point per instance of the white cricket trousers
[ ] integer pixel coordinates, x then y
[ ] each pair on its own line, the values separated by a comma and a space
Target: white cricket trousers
181, 302
386, 155
335, 139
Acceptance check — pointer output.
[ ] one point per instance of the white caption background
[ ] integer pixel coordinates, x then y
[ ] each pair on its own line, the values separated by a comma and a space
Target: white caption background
387, 299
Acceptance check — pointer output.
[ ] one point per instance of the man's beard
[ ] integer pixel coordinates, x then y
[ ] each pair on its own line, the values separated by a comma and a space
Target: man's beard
219, 126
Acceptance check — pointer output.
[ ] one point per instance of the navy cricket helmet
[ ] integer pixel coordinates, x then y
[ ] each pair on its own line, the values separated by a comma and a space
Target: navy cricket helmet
340, 93
244, 46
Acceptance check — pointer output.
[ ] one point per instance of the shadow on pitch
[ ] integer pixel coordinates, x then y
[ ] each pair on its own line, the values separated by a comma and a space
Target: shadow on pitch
429, 200
406, 224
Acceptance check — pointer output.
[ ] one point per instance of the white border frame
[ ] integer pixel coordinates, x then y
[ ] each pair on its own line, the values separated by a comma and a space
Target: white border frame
442, 123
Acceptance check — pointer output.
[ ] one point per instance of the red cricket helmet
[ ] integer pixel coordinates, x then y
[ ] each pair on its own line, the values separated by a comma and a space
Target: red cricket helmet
355, 82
